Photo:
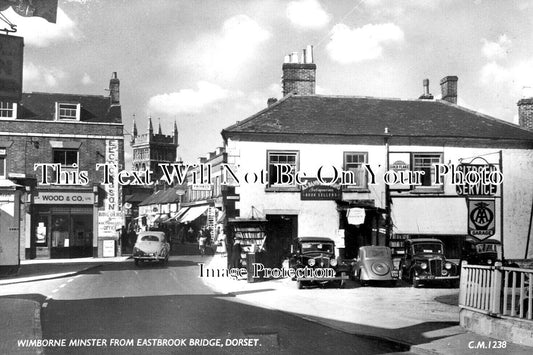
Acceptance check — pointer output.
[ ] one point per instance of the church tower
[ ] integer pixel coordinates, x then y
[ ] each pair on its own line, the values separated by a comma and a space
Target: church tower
151, 149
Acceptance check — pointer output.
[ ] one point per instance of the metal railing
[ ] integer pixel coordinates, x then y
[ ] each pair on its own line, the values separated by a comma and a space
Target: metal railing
497, 290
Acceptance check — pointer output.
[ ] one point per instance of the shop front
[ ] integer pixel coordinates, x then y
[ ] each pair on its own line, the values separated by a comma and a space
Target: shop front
62, 224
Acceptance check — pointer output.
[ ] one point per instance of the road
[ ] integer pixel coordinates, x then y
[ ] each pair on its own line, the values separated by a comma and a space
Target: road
123, 309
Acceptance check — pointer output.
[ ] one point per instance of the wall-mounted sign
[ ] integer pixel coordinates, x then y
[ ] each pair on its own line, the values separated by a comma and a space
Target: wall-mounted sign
399, 162
356, 216
108, 223
108, 247
11, 52
314, 190
481, 217
478, 178
63, 198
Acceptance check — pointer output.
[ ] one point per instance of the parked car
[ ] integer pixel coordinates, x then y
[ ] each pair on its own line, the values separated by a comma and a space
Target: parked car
151, 246
314, 253
487, 252
374, 263
424, 262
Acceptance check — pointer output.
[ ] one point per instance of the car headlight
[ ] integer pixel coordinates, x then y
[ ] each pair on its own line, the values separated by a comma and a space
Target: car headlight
489, 261
311, 262
333, 262
424, 266
448, 266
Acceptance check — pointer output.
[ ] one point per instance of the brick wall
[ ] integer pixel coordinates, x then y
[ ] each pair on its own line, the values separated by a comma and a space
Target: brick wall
299, 78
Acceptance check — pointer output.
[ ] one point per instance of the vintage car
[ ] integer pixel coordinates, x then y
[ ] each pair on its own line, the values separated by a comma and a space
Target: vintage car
151, 246
488, 252
314, 259
374, 263
424, 262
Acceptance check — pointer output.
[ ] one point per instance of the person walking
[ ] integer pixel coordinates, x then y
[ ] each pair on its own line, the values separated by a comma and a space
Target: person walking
202, 240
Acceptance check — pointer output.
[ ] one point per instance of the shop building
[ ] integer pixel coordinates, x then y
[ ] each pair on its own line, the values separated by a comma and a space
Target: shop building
50, 145
311, 135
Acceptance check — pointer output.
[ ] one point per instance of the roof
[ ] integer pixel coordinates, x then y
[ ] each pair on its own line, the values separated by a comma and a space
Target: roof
162, 196
424, 240
94, 108
367, 116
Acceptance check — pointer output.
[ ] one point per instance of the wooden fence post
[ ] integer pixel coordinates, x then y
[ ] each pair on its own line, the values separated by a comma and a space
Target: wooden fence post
496, 289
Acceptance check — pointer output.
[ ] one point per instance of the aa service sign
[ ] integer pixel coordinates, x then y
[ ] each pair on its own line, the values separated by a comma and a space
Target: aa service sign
11, 51
481, 217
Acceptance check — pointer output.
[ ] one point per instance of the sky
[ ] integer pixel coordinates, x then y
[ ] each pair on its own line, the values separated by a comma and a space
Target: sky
209, 63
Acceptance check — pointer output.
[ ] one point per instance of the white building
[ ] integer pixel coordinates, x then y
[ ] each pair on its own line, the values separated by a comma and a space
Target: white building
308, 131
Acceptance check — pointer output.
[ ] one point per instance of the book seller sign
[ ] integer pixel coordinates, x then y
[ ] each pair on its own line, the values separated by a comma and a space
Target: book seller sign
481, 218
11, 51
312, 189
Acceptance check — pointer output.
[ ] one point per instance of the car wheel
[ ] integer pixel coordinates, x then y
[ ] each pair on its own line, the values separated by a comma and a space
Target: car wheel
137, 262
299, 284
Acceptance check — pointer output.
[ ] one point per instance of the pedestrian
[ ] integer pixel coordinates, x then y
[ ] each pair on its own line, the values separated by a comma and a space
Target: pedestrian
201, 243
221, 241
236, 250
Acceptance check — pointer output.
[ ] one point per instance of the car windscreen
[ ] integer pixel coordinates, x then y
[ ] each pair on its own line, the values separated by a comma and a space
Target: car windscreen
317, 247
435, 248
149, 238
487, 248
377, 253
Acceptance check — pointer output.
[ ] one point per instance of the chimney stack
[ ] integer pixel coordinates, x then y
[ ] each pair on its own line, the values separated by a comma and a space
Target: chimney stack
525, 110
114, 89
299, 74
426, 95
448, 87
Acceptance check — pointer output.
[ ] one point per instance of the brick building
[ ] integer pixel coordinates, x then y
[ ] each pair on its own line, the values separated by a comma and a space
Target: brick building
55, 215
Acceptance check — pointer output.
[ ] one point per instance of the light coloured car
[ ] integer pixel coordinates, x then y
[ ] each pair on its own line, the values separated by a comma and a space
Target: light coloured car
374, 263
151, 246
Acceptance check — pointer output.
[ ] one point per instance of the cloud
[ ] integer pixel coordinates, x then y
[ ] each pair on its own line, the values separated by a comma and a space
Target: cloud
38, 77
349, 45
513, 80
38, 32
498, 49
191, 101
86, 79
223, 54
307, 14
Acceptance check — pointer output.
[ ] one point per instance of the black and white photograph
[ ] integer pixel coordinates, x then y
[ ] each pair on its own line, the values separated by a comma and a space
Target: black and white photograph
266, 177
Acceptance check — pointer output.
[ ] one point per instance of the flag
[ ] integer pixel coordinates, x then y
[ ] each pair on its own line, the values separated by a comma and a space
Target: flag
46, 9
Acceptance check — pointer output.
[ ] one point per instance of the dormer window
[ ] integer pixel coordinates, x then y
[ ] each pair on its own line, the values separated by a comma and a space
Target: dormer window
68, 111
8, 109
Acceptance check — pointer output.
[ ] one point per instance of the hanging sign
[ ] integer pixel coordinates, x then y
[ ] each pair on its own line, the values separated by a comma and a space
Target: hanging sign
481, 217
314, 190
356, 216
11, 52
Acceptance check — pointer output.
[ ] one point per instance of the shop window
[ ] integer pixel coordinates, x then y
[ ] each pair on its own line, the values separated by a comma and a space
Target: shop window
353, 163
290, 161
8, 109
68, 112
425, 162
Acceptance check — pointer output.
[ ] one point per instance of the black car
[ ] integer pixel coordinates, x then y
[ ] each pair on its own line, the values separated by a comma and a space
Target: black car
488, 252
424, 262
314, 262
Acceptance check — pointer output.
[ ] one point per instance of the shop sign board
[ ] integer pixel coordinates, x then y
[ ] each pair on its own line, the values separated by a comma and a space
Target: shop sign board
481, 172
356, 216
108, 247
314, 190
398, 162
11, 53
481, 218
112, 200
63, 198
108, 223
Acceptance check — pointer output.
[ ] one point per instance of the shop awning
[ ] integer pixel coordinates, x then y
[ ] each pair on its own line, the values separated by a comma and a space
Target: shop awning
178, 215
429, 215
193, 213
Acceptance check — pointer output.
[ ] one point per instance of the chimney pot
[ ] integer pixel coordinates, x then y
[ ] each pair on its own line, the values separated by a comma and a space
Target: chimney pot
426, 95
299, 77
271, 101
294, 57
448, 86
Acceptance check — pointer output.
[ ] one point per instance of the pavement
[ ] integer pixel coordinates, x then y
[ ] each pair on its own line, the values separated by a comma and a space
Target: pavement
425, 320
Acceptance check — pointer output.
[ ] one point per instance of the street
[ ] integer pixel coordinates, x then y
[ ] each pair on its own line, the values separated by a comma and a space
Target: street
119, 308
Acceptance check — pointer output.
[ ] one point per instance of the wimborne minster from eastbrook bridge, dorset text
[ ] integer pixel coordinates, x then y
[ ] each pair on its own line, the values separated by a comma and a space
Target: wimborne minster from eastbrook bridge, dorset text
284, 175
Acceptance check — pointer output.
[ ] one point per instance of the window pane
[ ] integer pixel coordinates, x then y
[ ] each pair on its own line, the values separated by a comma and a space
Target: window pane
353, 163
280, 158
